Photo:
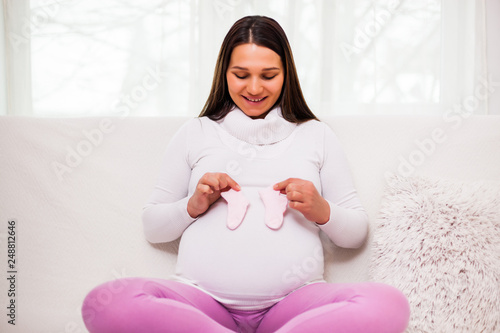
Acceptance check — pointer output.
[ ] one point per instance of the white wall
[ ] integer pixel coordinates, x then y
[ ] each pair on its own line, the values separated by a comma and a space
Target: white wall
3, 74
493, 51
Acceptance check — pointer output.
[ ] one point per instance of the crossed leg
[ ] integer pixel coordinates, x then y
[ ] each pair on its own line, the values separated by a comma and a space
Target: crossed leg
325, 307
153, 305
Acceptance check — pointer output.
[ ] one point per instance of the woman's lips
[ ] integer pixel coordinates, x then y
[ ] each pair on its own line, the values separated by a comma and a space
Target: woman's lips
254, 100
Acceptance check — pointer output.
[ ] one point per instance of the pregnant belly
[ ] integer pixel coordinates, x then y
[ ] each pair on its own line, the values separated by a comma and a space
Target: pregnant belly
252, 261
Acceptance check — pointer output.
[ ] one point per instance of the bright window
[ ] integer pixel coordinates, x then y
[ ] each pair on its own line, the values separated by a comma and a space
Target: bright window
156, 57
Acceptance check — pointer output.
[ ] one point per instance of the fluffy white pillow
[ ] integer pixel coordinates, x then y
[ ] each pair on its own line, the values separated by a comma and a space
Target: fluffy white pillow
438, 241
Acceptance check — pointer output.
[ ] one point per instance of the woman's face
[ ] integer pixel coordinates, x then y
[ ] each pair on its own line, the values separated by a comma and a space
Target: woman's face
254, 78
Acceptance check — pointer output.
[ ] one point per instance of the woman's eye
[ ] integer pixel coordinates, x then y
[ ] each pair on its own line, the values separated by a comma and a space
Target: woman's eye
241, 76
269, 77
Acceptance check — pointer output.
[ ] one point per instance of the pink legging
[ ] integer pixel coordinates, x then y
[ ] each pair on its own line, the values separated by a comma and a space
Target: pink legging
156, 305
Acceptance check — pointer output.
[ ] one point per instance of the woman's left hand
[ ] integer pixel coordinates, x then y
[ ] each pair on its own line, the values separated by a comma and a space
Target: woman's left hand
304, 197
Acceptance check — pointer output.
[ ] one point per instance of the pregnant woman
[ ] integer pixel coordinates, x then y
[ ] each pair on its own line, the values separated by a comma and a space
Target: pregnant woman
249, 185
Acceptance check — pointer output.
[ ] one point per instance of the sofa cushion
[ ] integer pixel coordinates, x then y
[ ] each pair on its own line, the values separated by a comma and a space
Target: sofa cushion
438, 241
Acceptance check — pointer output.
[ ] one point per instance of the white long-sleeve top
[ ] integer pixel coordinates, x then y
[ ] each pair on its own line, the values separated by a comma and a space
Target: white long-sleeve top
253, 266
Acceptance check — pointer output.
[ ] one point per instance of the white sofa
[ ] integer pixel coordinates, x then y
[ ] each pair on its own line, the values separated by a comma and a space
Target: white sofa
75, 189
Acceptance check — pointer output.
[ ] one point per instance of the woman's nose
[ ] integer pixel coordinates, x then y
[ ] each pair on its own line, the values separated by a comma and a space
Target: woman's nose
254, 87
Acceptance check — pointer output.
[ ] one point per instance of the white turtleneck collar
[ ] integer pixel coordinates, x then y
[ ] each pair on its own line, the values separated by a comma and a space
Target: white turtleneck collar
272, 129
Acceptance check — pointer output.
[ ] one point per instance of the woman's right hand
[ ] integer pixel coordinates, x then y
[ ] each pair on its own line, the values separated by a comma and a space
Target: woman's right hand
208, 191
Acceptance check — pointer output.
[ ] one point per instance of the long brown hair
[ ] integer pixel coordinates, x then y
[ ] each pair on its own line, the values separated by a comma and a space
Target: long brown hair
266, 32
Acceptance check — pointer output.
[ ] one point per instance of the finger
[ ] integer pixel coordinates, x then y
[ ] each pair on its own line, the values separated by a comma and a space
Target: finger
298, 206
214, 180
209, 179
281, 186
219, 181
294, 204
204, 188
227, 181
294, 196
294, 187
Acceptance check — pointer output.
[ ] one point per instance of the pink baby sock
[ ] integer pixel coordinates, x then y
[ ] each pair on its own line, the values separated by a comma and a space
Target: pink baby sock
237, 207
275, 204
